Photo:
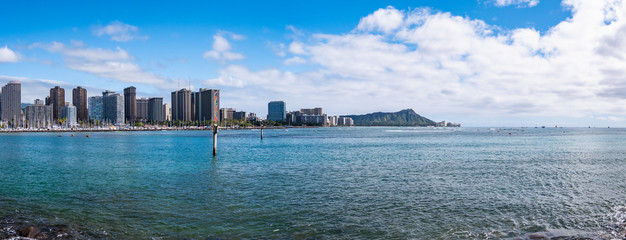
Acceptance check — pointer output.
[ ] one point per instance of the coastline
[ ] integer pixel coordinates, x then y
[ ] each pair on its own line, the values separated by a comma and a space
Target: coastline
134, 129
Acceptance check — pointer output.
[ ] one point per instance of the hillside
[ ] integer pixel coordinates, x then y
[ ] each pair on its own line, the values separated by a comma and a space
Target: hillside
406, 117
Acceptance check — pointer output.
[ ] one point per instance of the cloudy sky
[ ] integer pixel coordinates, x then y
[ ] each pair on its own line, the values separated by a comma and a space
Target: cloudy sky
477, 62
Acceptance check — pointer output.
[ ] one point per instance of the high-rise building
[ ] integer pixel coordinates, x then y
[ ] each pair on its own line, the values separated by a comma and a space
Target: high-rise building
167, 112
96, 108
70, 113
239, 115
332, 120
141, 107
345, 121
38, 115
130, 104
181, 105
155, 109
207, 105
12, 103
113, 107
226, 113
251, 116
276, 111
79, 100
312, 111
57, 100
194, 97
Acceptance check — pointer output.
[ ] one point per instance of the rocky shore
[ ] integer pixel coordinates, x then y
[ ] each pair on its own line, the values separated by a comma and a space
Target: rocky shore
14, 228
11, 228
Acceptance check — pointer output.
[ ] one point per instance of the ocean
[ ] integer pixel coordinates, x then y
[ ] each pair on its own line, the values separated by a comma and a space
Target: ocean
318, 183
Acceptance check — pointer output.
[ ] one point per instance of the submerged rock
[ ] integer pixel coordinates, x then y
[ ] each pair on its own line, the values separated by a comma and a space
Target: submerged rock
30, 232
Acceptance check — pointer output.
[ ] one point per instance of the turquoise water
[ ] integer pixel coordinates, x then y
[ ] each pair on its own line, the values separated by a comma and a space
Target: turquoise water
321, 183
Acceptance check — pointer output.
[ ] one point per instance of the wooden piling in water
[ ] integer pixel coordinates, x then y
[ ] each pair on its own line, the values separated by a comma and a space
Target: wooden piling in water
215, 140
261, 132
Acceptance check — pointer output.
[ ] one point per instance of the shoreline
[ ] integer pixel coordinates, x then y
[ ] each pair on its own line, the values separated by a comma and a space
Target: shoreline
22, 227
145, 129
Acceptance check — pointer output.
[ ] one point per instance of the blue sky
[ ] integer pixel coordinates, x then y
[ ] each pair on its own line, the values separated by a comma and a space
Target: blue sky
480, 63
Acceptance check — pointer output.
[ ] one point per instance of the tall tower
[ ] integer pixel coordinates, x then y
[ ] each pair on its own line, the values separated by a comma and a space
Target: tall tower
57, 100
96, 108
207, 105
181, 105
12, 103
276, 111
113, 107
130, 104
155, 109
79, 100
142, 109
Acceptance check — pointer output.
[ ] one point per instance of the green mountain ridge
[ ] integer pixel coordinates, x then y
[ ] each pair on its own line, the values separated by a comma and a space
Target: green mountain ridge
406, 117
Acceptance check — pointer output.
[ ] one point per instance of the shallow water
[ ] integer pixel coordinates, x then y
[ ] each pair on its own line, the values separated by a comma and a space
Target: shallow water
324, 183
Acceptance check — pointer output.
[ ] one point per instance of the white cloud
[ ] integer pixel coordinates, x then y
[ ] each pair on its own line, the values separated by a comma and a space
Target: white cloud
296, 33
221, 48
384, 20
297, 48
89, 54
295, 60
8, 55
439, 64
37, 88
40, 88
106, 63
220, 44
277, 48
119, 31
521, 3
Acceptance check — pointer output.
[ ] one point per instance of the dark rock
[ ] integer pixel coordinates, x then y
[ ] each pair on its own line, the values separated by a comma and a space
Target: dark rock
537, 236
29, 232
43, 235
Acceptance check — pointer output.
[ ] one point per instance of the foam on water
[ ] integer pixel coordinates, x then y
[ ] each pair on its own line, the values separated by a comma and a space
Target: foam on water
617, 228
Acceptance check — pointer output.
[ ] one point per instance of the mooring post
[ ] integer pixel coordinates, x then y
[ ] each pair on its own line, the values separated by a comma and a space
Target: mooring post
215, 139
261, 131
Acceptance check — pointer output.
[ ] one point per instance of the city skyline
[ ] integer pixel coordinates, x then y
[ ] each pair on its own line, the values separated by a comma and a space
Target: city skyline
114, 109
480, 63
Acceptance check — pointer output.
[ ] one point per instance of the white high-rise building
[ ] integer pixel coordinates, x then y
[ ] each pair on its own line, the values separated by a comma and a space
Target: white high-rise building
69, 113
38, 115
167, 112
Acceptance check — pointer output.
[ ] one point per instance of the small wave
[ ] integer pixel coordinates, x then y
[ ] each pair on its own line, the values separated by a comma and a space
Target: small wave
617, 228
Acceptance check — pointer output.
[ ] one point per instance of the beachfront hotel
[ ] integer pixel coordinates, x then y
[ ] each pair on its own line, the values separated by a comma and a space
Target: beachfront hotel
57, 100
181, 105
276, 111
130, 104
11, 103
79, 100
